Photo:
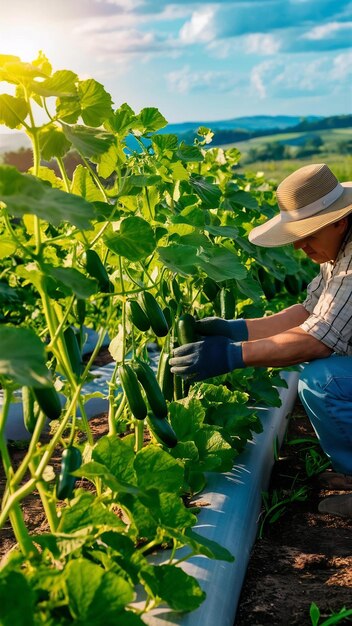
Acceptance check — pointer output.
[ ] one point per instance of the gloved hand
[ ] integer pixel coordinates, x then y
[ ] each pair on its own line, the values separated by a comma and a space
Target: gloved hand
212, 356
234, 329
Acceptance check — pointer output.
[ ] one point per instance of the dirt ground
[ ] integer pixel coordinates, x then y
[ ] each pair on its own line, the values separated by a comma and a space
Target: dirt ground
303, 557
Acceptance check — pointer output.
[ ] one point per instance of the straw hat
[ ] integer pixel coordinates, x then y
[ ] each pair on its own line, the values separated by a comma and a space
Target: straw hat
308, 199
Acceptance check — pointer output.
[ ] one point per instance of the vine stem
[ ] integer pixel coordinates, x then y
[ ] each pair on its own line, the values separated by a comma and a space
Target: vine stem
15, 514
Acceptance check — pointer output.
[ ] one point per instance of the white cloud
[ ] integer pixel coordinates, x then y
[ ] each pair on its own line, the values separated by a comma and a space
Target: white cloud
326, 30
263, 45
186, 80
342, 67
259, 79
200, 27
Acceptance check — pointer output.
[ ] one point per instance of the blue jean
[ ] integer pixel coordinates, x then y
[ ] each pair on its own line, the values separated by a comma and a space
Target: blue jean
325, 390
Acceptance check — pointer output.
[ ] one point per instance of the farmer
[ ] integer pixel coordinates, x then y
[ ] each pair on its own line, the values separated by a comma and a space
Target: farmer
316, 216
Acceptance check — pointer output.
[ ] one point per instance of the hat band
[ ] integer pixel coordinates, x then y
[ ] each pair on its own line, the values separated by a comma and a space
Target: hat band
314, 207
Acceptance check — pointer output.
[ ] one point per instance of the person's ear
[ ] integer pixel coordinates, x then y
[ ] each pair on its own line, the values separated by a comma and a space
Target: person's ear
341, 225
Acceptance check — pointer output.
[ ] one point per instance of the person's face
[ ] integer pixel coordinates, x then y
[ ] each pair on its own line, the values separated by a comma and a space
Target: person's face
324, 244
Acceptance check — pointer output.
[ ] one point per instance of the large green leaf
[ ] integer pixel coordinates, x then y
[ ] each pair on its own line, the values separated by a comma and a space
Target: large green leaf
24, 194
94, 594
22, 357
181, 591
13, 111
179, 258
209, 193
53, 142
135, 240
75, 281
84, 185
221, 264
95, 102
16, 600
149, 120
117, 457
156, 469
90, 142
189, 154
122, 120
61, 83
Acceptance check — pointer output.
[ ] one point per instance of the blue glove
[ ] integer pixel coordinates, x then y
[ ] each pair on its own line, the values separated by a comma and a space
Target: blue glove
233, 329
212, 356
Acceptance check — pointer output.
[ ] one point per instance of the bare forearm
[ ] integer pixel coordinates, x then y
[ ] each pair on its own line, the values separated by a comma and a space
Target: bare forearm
286, 348
278, 323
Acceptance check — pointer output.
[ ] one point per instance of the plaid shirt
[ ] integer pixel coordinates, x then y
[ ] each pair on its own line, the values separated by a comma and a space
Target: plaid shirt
329, 302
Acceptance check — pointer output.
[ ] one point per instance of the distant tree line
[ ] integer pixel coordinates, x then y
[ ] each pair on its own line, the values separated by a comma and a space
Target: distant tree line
236, 135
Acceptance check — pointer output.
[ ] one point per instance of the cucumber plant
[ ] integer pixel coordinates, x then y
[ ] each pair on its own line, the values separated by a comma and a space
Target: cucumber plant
134, 241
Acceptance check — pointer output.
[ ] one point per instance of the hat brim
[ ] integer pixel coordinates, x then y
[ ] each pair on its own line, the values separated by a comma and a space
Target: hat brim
277, 232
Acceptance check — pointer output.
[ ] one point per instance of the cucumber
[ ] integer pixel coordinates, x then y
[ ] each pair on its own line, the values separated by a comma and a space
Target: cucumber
155, 314
186, 329
162, 430
152, 389
131, 387
49, 401
137, 316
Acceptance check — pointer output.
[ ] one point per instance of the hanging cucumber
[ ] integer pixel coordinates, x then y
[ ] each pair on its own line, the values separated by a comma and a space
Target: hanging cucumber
227, 304
71, 461
49, 401
152, 389
266, 283
131, 387
73, 351
80, 311
185, 328
155, 314
137, 316
165, 377
96, 269
30, 415
162, 430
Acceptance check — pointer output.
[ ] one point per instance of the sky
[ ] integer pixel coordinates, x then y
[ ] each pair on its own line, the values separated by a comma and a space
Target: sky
198, 61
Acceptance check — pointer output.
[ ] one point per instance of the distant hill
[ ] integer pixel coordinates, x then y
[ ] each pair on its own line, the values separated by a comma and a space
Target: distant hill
229, 131
252, 123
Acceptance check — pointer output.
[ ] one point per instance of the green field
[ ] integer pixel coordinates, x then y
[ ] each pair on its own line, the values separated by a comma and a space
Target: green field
328, 152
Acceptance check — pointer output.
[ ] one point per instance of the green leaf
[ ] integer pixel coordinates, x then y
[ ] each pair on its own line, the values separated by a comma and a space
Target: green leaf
84, 512
84, 185
165, 145
53, 142
16, 600
149, 120
122, 120
94, 470
181, 591
95, 102
179, 258
186, 418
61, 84
156, 469
13, 111
76, 282
172, 512
238, 198
7, 247
189, 154
90, 142
23, 357
24, 194
135, 240
209, 193
95, 595
221, 264
117, 456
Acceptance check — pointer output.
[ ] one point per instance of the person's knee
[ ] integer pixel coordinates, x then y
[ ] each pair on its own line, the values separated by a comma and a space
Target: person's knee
314, 376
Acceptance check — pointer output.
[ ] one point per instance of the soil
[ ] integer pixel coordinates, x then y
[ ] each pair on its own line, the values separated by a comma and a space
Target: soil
304, 557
